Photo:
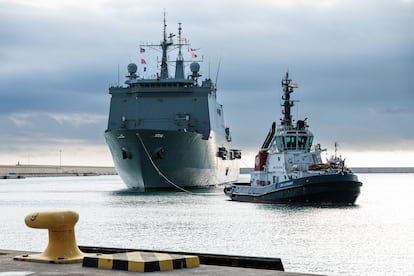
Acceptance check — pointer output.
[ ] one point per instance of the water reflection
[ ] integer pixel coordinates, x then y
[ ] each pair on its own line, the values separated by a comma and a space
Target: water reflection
317, 239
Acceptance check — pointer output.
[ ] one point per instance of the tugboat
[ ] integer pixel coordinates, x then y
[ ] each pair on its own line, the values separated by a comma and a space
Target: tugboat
168, 131
289, 170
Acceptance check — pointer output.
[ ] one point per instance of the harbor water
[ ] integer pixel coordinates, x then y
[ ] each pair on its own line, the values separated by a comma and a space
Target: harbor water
375, 237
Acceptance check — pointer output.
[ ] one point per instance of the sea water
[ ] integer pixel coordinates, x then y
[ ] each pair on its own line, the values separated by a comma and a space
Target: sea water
374, 237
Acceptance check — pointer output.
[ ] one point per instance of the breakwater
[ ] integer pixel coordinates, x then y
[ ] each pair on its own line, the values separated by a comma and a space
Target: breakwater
361, 170
22, 171
383, 170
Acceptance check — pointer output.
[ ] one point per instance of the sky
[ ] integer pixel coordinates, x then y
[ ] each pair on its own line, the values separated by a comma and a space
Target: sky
353, 61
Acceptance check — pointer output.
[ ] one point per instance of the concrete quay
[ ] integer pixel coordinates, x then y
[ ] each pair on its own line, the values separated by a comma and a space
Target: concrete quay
22, 171
361, 170
8, 266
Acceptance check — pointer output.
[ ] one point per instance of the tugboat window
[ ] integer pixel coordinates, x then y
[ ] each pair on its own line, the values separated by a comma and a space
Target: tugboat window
279, 143
291, 142
302, 142
310, 140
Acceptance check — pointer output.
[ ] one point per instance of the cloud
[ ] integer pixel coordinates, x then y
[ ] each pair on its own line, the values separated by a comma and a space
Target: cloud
21, 120
37, 137
32, 131
353, 60
78, 119
73, 119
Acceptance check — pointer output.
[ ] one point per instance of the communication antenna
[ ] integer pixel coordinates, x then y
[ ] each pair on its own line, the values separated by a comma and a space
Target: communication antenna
218, 70
118, 74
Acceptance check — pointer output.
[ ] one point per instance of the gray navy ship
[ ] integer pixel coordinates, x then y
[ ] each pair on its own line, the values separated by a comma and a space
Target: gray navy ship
168, 132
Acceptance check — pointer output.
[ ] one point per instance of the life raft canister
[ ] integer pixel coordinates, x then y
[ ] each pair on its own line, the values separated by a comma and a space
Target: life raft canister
260, 161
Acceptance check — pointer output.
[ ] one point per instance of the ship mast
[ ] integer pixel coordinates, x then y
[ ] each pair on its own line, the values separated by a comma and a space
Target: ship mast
164, 46
287, 104
179, 65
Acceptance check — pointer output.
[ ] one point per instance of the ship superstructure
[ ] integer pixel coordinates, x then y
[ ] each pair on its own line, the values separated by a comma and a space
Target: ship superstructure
169, 131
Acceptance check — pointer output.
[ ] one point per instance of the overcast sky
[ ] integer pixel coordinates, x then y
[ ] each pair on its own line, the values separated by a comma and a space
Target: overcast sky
353, 61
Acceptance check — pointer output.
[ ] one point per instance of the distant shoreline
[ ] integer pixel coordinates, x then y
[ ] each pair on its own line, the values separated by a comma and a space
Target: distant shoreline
362, 170
22, 170
383, 170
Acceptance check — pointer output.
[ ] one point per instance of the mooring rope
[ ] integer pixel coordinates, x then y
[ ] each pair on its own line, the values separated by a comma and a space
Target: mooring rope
166, 178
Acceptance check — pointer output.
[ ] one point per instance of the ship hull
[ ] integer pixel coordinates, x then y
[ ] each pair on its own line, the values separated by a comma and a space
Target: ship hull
329, 189
161, 160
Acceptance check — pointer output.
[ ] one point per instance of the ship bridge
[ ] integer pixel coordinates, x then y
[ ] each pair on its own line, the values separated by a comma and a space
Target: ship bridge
299, 138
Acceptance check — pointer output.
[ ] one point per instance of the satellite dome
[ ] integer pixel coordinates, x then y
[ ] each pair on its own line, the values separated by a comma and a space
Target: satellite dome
132, 68
195, 67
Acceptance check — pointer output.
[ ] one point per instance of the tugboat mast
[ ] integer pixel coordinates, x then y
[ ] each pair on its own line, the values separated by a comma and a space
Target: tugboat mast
287, 104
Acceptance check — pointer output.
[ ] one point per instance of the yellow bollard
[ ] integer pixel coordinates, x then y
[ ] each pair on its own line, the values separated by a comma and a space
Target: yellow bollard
62, 248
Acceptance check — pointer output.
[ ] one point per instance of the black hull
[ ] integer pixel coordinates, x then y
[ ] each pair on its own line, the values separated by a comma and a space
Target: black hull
338, 189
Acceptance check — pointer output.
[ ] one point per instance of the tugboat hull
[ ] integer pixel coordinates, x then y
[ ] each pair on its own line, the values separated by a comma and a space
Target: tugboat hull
335, 189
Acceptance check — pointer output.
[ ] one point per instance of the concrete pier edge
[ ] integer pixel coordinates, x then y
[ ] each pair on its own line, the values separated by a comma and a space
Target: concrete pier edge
8, 266
205, 258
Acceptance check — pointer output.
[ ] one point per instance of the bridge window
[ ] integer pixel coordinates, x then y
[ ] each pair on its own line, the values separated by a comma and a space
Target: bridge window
279, 143
302, 142
290, 142
310, 140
